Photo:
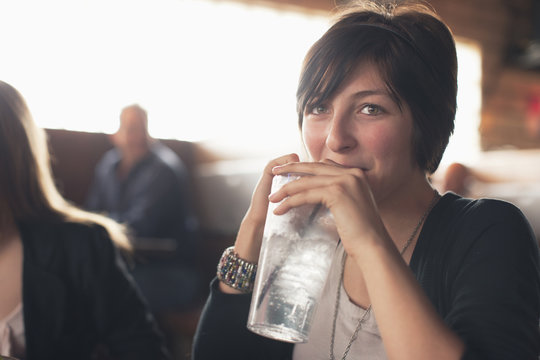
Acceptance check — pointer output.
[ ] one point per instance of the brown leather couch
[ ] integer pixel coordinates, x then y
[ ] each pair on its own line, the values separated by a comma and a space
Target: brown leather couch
75, 154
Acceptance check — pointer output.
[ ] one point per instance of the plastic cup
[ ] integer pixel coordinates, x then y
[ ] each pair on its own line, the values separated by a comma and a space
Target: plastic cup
295, 258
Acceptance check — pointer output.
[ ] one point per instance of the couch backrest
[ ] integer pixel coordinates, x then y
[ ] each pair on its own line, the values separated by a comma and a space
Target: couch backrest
74, 156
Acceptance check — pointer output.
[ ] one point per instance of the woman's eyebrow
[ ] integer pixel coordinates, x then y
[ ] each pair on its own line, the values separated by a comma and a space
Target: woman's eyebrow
359, 94
364, 93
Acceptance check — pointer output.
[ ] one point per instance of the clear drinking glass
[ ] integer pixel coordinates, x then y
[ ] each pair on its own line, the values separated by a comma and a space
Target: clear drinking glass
295, 258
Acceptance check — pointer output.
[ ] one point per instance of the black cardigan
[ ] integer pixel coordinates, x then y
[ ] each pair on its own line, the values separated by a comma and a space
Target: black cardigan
77, 296
478, 263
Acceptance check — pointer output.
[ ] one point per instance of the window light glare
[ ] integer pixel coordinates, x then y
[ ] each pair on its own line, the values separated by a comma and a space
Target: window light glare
210, 71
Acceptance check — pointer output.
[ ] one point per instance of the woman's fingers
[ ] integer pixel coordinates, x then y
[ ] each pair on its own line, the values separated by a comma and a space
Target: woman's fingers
345, 191
249, 237
314, 168
330, 190
335, 180
259, 199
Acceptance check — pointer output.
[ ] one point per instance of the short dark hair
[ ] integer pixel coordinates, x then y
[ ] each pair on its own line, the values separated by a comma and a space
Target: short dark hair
415, 53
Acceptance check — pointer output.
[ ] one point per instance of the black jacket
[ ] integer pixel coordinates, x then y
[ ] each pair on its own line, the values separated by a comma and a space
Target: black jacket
77, 297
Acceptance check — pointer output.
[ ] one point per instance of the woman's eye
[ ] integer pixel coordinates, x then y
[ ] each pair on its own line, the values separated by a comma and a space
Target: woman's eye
319, 109
371, 109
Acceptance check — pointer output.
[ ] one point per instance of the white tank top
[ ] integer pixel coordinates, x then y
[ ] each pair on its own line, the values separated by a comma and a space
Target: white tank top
368, 345
12, 342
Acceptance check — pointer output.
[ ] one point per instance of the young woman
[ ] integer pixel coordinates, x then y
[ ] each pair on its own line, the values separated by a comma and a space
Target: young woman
416, 275
65, 293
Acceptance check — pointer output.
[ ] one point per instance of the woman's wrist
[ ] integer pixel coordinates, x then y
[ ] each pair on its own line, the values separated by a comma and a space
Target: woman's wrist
245, 252
370, 248
249, 239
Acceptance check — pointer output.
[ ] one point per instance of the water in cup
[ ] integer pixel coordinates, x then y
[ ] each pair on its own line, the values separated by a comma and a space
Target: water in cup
295, 257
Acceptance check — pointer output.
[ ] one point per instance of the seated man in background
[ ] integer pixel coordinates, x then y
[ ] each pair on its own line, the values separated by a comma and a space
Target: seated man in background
144, 184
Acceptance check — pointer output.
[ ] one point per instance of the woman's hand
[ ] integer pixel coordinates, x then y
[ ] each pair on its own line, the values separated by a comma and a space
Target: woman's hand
249, 238
345, 191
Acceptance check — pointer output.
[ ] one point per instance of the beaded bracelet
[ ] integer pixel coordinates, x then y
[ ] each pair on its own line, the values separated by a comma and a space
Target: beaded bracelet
235, 272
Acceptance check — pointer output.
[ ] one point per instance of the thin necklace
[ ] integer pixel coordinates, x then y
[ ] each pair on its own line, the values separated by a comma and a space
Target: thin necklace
368, 310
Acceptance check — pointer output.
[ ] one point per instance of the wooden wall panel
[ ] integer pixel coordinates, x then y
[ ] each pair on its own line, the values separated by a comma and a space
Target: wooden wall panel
499, 27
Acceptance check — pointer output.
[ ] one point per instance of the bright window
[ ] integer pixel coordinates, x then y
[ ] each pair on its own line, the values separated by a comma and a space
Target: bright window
219, 72
464, 145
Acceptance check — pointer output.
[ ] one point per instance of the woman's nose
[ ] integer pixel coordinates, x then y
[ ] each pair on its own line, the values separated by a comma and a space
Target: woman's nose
340, 138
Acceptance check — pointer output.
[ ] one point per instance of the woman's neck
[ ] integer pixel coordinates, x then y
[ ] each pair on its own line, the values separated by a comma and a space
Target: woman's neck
402, 210
11, 264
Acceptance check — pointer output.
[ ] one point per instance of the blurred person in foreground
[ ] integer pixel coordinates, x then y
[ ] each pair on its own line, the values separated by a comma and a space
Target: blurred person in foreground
416, 275
143, 184
65, 290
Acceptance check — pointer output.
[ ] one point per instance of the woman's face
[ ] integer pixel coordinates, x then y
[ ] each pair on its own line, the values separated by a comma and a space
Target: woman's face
362, 126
